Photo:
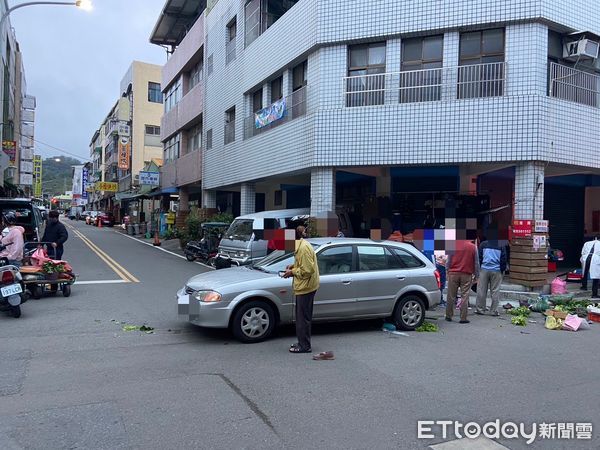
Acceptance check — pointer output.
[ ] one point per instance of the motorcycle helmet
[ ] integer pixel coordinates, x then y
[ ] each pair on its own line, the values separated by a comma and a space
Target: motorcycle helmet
10, 218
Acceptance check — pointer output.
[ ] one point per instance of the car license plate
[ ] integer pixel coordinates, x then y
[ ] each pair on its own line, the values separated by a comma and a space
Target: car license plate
11, 290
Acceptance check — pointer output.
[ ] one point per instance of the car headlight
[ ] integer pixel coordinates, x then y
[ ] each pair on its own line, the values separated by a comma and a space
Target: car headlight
207, 296
242, 254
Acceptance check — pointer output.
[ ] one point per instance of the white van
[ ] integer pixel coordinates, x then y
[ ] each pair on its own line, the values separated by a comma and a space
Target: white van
239, 245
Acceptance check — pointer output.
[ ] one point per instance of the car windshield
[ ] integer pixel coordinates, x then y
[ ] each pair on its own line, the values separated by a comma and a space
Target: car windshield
277, 261
240, 230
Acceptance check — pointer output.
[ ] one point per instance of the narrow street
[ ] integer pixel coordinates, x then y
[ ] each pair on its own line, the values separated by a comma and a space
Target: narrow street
70, 377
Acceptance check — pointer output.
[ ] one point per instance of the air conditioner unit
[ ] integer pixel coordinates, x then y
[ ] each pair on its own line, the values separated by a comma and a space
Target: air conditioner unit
583, 48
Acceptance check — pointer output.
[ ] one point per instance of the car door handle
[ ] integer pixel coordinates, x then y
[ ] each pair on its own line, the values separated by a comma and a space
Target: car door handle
347, 281
400, 277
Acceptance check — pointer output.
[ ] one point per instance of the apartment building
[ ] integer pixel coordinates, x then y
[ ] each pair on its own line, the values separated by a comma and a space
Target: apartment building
18, 114
127, 140
181, 26
394, 110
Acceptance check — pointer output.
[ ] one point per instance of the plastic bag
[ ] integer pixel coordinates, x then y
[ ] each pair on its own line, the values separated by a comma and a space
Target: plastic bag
552, 323
539, 305
558, 286
39, 257
572, 323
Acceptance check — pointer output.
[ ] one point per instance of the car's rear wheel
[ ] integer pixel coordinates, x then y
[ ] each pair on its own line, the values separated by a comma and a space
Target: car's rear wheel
409, 313
253, 322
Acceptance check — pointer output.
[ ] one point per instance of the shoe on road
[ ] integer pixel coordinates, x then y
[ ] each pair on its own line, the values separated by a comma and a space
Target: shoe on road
465, 321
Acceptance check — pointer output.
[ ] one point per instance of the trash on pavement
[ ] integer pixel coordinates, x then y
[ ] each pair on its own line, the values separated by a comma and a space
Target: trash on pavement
144, 328
388, 327
557, 313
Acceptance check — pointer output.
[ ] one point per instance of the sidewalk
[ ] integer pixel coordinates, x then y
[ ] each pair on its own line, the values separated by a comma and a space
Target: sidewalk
171, 245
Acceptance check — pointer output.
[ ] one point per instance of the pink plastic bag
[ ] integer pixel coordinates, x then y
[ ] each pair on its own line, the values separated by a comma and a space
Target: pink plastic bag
558, 286
39, 257
572, 323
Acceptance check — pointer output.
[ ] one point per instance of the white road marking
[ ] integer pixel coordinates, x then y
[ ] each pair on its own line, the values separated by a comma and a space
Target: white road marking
101, 282
162, 249
480, 443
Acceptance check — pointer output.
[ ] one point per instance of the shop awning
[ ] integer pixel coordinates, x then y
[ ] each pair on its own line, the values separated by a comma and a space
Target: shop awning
127, 196
165, 191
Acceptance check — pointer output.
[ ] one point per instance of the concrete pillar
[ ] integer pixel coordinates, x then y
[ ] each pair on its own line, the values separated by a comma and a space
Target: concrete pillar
266, 97
247, 198
322, 190
287, 83
209, 199
184, 199
527, 59
450, 73
384, 183
393, 63
529, 190
466, 184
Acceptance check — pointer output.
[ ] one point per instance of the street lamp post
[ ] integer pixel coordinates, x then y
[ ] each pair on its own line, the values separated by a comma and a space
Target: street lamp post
83, 4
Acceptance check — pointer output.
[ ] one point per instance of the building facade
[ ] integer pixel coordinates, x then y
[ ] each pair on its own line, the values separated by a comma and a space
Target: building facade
18, 115
394, 111
182, 124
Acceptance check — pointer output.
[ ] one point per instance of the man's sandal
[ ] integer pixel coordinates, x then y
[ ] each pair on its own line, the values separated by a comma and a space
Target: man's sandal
324, 356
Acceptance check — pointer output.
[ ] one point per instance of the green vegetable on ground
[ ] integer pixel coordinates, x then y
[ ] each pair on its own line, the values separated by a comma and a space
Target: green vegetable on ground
520, 311
520, 321
428, 327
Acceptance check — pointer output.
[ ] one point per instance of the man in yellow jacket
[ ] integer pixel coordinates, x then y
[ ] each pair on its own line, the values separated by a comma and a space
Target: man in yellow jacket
305, 273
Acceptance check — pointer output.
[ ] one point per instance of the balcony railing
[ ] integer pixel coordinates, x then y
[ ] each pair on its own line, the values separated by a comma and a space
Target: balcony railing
574, 85
428, 85
295, 106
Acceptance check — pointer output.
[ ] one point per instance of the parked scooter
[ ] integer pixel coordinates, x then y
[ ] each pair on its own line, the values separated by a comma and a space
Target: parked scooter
206, 248
11, 289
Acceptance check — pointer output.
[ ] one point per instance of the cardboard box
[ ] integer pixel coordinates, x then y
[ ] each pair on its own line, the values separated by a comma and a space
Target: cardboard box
558, 314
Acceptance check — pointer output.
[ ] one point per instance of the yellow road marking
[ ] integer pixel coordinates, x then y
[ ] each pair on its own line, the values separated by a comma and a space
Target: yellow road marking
115, 266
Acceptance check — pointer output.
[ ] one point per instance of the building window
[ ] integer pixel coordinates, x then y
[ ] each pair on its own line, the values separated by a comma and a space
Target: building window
366, 74
231, 40
422, 59
153, 130
194, 138
257, 100
259, 15
299, 82
230, 125
173, 95
197, 73
482, 64
154, 93
299, 76
209, 139
209, 68
277, 89
171, 149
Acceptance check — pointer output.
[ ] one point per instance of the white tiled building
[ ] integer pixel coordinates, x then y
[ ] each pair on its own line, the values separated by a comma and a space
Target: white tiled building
389, 98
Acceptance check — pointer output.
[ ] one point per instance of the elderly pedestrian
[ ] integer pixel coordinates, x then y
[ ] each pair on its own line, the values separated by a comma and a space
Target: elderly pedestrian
305, 273
492, 260
587, 253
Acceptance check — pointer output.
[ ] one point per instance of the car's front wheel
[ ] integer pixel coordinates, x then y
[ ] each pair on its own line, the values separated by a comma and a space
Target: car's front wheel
253, 322
409, 313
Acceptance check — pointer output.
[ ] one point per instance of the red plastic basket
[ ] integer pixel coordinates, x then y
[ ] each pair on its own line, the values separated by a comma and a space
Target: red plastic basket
594, 317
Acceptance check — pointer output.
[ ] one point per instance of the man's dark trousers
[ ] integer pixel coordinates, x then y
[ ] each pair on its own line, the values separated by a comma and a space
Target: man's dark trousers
304, 312
586, 272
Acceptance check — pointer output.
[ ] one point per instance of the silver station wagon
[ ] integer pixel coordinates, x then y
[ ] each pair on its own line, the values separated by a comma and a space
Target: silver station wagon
360, 279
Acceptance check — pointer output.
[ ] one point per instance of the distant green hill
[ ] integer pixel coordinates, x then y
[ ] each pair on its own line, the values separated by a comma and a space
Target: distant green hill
57, 174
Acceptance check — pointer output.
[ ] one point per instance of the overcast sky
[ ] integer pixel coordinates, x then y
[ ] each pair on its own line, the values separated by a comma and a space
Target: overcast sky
75, 60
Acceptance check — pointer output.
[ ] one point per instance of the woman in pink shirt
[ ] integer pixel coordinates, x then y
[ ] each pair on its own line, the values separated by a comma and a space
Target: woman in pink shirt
13, 241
